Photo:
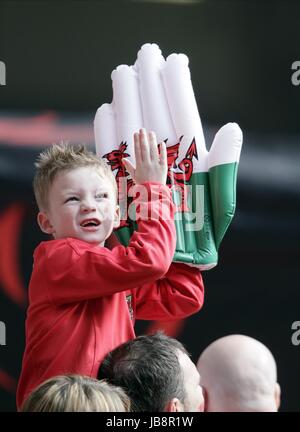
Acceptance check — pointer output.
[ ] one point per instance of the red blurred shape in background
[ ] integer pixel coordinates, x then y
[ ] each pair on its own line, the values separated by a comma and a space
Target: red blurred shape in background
10, 275
7, 382
170, 328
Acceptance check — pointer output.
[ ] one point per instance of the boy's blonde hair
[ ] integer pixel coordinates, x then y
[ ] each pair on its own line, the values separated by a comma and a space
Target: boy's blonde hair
63, 157
73, 393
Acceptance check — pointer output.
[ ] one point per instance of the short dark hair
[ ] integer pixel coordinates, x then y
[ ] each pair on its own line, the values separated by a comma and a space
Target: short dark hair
148, 369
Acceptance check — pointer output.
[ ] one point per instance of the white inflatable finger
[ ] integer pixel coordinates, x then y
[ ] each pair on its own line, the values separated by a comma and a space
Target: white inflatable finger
127, 105
183, 106
105, 130
223, 162
227, 145
156, 113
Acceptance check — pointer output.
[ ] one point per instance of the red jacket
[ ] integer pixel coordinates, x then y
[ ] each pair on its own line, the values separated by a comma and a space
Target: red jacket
77, 298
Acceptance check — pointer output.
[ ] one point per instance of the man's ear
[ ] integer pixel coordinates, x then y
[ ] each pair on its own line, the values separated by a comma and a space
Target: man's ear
117, 217
174, 405
44, 223
205, 397
277, 395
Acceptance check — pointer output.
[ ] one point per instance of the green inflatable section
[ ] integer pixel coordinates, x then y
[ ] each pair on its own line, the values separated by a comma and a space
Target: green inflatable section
195, 237
222, 179
211, 199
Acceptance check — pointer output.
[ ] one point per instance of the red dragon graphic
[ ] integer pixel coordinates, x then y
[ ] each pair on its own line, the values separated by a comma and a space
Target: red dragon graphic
114, 159
175, 179
179, 180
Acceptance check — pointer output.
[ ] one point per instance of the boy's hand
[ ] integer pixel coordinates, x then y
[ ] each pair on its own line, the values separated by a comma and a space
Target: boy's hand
151, 165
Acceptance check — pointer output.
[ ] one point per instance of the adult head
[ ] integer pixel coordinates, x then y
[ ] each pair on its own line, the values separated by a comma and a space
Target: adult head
156, 373
72, 393
238, 373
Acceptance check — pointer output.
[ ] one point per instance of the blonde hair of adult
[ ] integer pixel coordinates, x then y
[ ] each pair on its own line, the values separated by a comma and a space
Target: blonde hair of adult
75, 393
64, 157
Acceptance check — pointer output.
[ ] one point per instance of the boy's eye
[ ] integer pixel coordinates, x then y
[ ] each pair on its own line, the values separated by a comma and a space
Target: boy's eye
73, 198
102, 195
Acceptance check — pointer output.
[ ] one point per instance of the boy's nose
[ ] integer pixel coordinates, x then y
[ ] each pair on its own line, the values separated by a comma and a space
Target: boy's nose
87, 206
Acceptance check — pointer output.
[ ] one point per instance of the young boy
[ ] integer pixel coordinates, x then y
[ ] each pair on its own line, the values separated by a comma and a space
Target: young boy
83, 297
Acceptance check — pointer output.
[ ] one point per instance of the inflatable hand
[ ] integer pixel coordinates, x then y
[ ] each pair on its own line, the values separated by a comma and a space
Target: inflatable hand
157, 94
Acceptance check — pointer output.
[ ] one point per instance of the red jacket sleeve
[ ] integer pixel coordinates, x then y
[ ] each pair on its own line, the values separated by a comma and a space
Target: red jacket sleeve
75, 271
178, 294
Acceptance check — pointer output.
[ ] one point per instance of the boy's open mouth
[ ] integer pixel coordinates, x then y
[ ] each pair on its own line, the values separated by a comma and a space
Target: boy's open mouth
90, 223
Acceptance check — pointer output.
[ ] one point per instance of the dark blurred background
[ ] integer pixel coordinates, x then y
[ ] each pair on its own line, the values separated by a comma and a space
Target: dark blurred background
59, 56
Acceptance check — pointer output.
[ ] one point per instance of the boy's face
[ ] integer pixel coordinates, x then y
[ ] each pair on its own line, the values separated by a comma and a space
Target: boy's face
82, 204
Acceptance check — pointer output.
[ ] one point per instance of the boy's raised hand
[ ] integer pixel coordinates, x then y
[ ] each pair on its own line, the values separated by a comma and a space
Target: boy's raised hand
151, 165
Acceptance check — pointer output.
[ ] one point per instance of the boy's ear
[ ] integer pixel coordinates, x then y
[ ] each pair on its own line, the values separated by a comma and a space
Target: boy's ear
44, 223
117, 217
277, 395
